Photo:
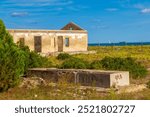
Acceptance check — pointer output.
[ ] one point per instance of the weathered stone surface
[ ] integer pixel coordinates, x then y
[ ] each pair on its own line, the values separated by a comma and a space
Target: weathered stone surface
53, 40
32, 82
71, 53
94, 78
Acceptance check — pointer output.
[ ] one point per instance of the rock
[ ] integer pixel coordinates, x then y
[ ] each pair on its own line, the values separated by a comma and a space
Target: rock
35, 96
33, 82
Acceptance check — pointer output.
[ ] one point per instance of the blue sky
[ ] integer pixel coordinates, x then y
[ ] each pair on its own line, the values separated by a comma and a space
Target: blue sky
105, 20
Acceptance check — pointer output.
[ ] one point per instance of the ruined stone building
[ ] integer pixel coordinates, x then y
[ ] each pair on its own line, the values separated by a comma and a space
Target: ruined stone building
71, 38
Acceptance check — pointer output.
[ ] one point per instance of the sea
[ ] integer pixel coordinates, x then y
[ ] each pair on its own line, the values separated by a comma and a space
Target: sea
120, 44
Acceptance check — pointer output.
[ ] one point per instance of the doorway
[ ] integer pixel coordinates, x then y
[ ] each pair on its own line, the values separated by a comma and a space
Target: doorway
37, 44
60, 43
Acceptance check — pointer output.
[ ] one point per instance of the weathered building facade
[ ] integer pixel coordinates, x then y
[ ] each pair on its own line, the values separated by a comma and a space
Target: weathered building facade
70, 38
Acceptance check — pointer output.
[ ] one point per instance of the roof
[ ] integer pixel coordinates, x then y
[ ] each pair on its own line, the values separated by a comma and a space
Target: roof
71, 26
45, 31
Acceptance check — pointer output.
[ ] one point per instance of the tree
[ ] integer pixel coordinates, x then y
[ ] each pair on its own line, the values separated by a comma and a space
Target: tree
12, 60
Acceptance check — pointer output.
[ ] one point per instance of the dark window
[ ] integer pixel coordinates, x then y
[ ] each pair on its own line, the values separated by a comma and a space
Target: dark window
54, 42
67, 42
37, 43
21, 42
71, 28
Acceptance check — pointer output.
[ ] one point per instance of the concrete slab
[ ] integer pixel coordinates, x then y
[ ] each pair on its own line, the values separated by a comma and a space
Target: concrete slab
96, 78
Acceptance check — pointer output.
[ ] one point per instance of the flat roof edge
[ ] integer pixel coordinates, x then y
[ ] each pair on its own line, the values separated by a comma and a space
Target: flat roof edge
44, 30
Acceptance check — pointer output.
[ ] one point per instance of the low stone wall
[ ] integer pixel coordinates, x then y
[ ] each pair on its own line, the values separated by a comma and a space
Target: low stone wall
71, 53
95, 78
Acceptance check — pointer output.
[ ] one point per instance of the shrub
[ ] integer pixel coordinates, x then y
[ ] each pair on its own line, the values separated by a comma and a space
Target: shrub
128, 64
12, 60
33, 59
63, 56
75, 63
15, 60
36, 60
96, 65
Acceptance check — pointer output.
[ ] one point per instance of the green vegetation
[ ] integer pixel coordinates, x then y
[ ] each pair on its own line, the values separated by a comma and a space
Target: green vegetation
63, 56
15, 60
12, 60
124, 64
34, 60
74, 63
139, 53
96, 65
108, 63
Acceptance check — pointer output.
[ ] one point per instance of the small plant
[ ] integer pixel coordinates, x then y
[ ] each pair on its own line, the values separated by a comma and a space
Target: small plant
63, 56
124, 64
74, 63
36, 60
96, 65
33, 59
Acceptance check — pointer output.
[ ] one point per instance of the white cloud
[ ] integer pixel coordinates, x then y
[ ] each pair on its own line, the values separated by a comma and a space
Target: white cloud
58, 9
145, 10
111, 9
19, 14
42, 3
98, 20
76, 8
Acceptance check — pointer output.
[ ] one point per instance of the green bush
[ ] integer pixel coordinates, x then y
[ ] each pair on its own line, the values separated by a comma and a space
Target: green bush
33, 59
63, 56
15, 60
36, 60
12, 60
96, 65
127, 64
74, 63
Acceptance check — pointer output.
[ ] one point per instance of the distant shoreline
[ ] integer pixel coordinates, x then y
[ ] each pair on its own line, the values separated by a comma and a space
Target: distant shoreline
120, 44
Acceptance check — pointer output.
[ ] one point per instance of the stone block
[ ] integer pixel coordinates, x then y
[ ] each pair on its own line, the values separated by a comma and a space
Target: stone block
96, 78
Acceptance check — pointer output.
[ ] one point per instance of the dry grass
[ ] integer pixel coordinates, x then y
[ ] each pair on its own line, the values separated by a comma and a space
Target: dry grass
140, 53
66, 91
